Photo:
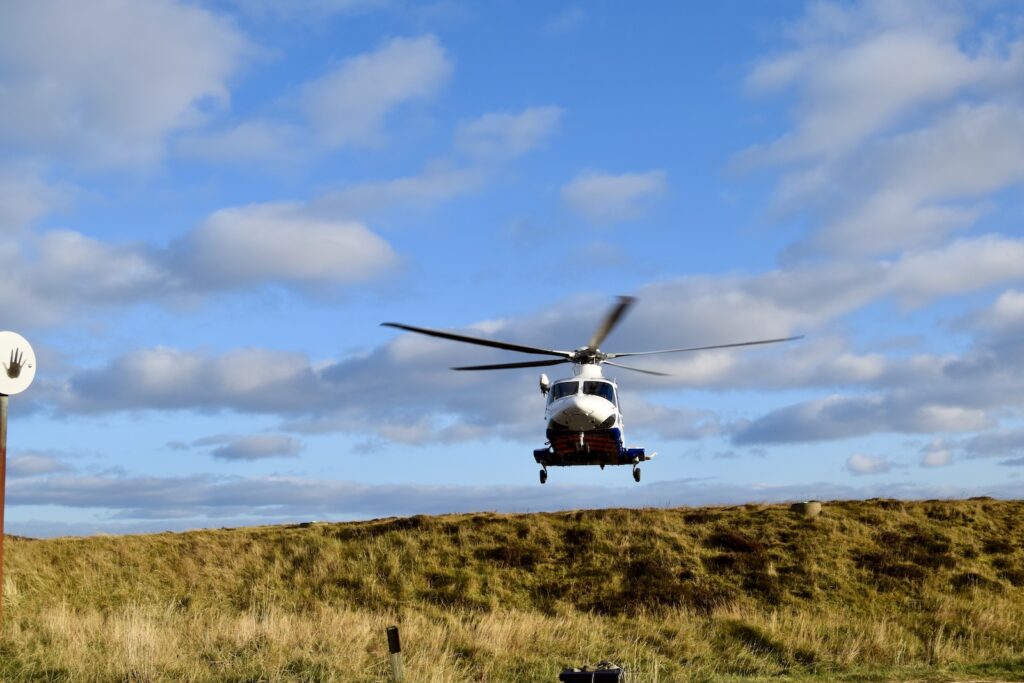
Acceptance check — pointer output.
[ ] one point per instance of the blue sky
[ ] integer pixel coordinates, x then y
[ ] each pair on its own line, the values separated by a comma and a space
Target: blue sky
206, 210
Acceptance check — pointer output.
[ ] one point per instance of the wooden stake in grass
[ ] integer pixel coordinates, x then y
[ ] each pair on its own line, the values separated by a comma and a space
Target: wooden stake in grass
395, 650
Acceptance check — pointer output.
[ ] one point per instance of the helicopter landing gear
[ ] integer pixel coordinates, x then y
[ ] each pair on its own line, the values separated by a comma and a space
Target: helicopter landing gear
636, 474
543, 476
602, 466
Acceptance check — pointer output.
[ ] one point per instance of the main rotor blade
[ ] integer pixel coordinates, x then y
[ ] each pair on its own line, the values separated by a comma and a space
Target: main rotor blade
646, 372
705, 348
476, 340
505, 366
610, 321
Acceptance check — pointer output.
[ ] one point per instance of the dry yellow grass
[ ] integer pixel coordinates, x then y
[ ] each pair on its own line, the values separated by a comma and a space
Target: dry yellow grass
874, 590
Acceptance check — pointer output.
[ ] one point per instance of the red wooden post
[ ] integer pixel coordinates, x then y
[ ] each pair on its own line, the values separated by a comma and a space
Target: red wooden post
3, 489
19, 370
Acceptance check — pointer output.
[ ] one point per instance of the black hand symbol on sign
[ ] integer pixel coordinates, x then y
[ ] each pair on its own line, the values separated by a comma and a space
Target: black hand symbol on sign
14, 369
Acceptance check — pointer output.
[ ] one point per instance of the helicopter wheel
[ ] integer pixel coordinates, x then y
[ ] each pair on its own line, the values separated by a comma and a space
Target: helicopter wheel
602, 466
543, 476
636, 474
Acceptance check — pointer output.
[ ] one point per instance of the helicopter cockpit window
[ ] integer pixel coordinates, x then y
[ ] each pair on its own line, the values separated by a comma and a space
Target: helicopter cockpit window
564, 389
602, 389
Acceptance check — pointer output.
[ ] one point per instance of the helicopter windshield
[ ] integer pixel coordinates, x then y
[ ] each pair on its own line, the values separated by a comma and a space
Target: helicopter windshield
563, 389
602, 389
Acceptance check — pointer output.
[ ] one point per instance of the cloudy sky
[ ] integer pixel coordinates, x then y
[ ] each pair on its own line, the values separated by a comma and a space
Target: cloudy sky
207, 208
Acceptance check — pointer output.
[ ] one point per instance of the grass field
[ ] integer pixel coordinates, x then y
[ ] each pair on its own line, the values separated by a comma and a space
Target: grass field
873, 590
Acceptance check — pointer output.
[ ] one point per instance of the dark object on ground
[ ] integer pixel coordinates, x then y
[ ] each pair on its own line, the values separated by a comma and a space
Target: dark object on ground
602, 672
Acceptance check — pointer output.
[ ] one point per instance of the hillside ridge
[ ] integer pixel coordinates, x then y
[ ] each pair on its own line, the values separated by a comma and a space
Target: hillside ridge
608, 560
868, 589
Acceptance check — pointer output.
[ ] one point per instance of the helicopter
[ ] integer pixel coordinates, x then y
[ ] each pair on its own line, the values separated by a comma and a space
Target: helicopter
582, 413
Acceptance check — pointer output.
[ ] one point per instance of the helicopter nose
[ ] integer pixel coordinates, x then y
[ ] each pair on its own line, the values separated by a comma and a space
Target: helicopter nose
583, 413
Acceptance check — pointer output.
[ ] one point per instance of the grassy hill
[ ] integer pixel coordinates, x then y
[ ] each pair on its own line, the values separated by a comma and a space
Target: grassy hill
872, 590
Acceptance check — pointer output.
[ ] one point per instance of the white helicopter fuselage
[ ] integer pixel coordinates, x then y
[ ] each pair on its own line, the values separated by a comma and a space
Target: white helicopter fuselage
584, 402
584, 422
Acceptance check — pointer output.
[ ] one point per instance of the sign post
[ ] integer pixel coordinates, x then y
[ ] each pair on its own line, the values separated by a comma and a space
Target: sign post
395, 652
3, 489
19, 369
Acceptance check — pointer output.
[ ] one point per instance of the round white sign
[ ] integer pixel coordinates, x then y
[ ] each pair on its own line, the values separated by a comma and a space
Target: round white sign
17, 363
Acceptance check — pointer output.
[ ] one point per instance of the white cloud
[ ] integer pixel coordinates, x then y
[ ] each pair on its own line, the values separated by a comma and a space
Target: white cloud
936, 454
814, 362
36, 463
1003, 320
852, 93
246, 142
281, 242
830, 21
253, 380
254, 447
865, 69
840, 417
434, 185
25, 197
349, 105
502, 135
804, 296
609, 198
649, 419
353, 395
915, 188
996, 443
106, 81
904, 123
305, 10
959, 267
62, 271
861, 464
701, 310
71, 260
969, 151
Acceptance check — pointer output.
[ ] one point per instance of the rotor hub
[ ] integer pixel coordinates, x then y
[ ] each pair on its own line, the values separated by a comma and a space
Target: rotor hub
584, 355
